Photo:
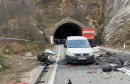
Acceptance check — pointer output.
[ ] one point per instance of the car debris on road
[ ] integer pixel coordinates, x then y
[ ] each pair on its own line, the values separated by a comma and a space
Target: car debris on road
94, 71
43, 58
110, 62
107, 69
126, 63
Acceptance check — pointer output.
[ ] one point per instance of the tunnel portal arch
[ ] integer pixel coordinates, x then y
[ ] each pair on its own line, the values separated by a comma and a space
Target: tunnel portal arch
68, 27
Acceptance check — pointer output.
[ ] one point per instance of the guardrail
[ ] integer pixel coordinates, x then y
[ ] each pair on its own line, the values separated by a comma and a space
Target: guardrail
17, 39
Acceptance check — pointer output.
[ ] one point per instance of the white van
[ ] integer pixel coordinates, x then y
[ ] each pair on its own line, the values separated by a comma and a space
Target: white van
78, 50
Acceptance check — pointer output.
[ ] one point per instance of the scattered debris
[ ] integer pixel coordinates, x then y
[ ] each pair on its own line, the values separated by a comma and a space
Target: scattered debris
96, 63
114, 65
48, 62
29, 54
107, 69
119, 64
126, 63
41, 81
69, 82
62, 62
106, 76
69, 64
115, 69
124, 70
49, 51
108, 53
89, 72
113, 61
94, 71
42, 57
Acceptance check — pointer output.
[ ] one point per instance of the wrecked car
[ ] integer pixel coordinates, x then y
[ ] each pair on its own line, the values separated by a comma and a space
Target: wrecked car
78, 50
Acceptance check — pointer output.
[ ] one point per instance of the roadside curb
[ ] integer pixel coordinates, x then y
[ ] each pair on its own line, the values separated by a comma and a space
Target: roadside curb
41, 69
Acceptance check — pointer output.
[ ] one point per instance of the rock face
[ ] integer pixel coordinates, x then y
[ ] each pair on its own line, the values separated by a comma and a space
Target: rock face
30, 18
116, 28
51, 12
111, 18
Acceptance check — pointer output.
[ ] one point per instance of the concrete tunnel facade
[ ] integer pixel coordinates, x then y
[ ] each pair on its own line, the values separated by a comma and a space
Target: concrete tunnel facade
63, 29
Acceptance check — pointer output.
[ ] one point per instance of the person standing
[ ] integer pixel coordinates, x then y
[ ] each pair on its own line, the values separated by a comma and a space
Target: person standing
64, 41
58, 40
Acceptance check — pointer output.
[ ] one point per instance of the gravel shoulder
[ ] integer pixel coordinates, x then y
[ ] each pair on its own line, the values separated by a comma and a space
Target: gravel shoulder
17, 65
31, 76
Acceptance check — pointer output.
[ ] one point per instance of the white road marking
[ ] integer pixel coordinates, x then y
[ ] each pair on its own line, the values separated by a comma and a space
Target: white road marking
125, 70
52, 77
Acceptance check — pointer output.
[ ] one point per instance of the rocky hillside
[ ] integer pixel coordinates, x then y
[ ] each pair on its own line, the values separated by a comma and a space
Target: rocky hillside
116, 29
17, 19
87, 12
29, 18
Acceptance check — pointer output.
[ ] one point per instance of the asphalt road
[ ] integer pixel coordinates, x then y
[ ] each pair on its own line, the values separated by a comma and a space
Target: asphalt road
82, 74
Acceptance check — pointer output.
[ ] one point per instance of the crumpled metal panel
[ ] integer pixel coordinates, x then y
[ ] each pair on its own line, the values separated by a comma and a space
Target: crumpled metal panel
49, 51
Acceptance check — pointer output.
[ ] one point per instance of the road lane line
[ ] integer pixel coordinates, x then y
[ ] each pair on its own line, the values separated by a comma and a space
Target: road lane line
52, 77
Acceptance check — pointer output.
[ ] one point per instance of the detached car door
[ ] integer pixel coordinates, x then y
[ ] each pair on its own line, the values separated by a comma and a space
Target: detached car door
96, 51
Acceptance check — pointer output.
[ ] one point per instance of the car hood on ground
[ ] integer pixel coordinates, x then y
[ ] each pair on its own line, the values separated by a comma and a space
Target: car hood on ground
79, 50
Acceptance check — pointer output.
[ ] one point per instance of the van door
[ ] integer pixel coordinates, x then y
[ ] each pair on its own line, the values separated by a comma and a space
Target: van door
96, 51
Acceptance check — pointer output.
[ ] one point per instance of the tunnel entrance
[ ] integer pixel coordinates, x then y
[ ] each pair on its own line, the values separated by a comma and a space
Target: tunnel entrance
67, 29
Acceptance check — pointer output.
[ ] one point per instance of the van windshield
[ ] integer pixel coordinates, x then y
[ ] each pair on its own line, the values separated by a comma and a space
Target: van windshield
78, 44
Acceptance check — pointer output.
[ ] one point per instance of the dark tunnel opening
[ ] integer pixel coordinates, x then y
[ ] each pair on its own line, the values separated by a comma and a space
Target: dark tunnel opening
67, 29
